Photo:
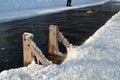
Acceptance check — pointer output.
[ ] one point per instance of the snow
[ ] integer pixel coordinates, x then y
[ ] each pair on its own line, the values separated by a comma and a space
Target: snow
96, 59
116, 0
19, 9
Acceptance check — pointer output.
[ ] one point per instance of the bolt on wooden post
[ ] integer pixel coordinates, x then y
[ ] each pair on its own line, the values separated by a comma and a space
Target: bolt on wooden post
53, 42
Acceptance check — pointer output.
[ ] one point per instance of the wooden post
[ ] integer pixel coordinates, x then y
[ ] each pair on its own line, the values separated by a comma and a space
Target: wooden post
65, 42
38, 53
53, 42
30, 49
27, 53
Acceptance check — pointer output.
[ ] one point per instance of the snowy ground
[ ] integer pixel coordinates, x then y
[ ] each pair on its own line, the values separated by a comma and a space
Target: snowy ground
97, 59
18, 9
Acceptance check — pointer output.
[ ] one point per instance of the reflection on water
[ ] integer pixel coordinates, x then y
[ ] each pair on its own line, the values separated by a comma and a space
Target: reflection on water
76, 25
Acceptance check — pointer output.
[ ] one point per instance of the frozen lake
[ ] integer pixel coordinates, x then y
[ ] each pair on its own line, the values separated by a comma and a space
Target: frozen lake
76, 25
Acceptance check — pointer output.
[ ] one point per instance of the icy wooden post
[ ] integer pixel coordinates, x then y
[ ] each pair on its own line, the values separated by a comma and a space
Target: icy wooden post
53, 42
65, 42
27, 55
30, 49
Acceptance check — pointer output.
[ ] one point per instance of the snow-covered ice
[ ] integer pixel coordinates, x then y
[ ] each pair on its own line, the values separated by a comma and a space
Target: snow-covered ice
96, 59
18, 9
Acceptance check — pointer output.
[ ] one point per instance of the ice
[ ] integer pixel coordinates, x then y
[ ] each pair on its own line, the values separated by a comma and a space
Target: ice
20, 9
96, 59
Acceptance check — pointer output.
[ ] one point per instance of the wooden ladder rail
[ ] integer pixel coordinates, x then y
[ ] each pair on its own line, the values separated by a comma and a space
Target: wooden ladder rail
30, 49
54, 36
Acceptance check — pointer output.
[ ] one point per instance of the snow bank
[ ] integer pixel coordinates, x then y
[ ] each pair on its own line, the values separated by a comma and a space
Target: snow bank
19, 9
16, 5
97, 59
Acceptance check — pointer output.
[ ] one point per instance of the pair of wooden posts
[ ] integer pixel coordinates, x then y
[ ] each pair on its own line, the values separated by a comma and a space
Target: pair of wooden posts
30, 49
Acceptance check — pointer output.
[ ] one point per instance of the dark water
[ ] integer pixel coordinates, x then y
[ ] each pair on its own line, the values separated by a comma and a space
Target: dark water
76, 26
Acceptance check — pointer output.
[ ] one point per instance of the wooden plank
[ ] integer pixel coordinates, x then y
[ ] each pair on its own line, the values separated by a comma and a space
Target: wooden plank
30, 49
65, 42
53, 42
27, 53
38, 53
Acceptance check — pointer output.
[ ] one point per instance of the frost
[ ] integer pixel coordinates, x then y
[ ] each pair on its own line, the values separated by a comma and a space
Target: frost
97, 59
19, 9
